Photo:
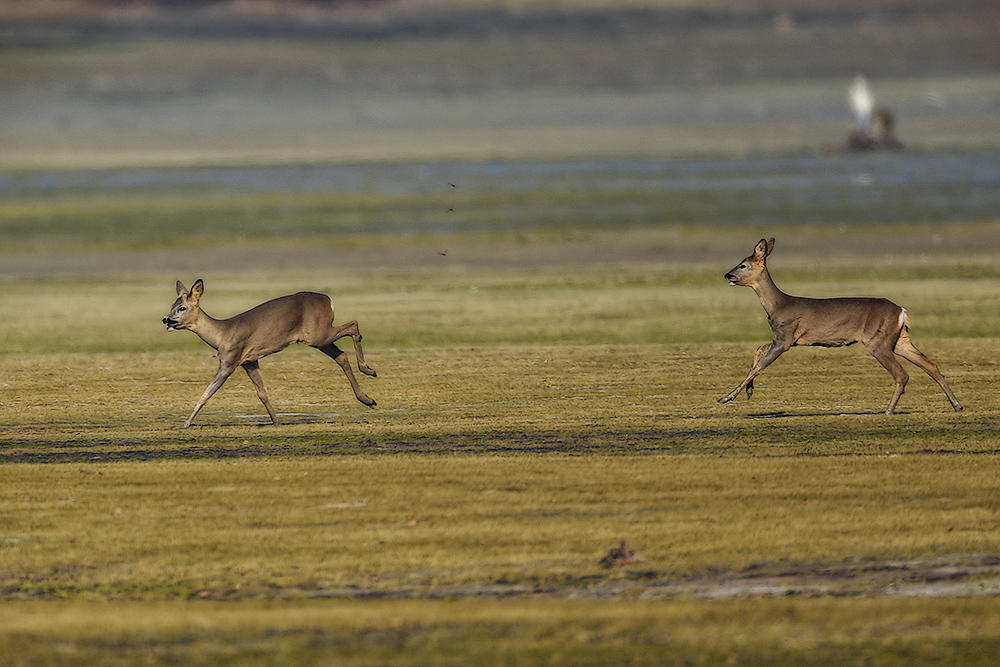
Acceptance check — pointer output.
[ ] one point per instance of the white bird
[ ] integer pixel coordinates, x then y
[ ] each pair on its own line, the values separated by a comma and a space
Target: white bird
862, 102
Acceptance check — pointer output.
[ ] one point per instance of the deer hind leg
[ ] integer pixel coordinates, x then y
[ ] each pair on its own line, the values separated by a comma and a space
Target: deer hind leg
221, 375
351, 329
906, 349
340, 357
253, 370
762, 358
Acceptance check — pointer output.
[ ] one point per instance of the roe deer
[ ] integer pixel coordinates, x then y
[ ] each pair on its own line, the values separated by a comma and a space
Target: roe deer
879, 324
305, 317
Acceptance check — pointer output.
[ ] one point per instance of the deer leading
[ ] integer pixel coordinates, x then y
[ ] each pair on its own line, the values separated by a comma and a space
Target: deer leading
241, 340
878, 324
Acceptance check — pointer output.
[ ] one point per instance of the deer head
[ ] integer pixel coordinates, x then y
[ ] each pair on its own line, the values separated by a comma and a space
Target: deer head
185, 309
747, 272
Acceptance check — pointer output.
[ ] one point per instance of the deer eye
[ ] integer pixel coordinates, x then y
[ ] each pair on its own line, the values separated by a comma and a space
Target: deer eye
182, 309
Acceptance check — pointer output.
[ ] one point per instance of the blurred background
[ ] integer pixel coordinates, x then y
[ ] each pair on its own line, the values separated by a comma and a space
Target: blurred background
103, 83
129, 124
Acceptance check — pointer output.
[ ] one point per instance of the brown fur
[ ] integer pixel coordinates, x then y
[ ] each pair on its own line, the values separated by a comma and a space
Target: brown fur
305, 317
878, 324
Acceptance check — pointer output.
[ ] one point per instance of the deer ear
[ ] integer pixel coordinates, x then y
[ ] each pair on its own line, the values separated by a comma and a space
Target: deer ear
181, 290
197, 289
770, 246
762, 249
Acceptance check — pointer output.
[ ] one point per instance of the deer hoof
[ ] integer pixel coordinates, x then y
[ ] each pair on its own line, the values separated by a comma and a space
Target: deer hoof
367, 370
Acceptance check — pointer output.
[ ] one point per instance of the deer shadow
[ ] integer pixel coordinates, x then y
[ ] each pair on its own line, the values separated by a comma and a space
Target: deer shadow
784, 414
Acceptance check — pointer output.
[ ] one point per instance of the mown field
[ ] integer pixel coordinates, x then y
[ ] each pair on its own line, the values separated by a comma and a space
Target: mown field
538, 277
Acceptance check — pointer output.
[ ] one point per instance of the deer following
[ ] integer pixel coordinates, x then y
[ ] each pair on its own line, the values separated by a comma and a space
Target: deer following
241, 340
878, 324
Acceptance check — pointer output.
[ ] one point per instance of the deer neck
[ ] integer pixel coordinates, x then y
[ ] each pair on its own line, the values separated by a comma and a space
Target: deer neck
209, 329
771, 298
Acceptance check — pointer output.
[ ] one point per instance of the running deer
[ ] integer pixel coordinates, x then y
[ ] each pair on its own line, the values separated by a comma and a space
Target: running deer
241, 340
878, 324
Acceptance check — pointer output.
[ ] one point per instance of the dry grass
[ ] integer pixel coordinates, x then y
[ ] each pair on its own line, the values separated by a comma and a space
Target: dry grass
504, 458
483, 524
497, 464
528, 421
789, 632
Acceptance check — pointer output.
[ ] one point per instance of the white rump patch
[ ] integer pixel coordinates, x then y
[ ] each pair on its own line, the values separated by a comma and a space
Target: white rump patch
902, 318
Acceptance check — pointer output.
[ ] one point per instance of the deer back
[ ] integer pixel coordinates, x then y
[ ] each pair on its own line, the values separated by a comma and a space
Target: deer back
304, 317
838, 321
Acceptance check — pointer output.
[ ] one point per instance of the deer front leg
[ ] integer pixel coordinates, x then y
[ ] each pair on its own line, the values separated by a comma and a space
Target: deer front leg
253, 370
757, 356
221, 375
762, 358
340, 357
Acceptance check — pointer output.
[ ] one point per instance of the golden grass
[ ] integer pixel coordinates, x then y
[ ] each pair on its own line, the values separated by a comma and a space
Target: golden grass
480, 523
455, 305
529, 419
489, 469
500, 460
788, 632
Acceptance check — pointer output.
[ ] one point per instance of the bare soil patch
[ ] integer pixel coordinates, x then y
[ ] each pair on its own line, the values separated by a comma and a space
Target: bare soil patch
958, 577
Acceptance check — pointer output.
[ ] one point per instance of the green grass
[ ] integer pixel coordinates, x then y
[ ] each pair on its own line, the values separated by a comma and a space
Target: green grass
464, 307
188, 217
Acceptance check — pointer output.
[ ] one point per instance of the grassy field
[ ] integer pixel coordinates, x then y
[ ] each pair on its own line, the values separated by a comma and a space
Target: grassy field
546, 390
549, 352
529, 420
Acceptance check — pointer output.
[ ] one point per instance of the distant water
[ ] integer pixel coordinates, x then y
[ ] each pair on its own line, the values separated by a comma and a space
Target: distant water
923, 185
